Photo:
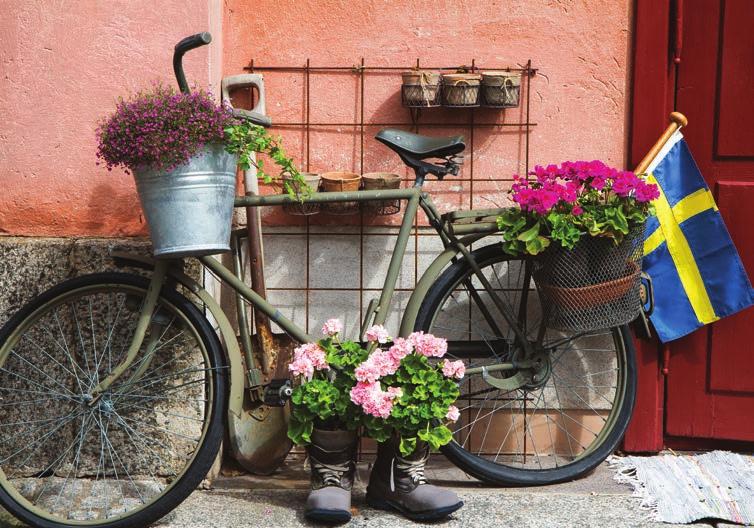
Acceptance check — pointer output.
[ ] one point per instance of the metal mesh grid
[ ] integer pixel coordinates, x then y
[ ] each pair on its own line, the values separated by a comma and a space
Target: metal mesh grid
593, 286
425, 240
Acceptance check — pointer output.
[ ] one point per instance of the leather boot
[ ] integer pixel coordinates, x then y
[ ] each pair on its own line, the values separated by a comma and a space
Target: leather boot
398, 483
332, 458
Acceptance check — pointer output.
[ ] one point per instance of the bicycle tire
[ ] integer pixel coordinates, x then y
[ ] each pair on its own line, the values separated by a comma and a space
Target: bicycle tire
500, 474
214, 411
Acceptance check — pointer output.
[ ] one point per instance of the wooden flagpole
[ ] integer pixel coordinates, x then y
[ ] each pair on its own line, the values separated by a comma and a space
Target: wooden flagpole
677, 120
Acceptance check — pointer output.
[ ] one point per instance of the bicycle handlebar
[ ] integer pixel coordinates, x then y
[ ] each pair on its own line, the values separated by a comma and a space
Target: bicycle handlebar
187, 44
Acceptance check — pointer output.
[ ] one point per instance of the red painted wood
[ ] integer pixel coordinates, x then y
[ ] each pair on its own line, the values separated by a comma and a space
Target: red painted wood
704, 397
652, 79
731, 349
736, 104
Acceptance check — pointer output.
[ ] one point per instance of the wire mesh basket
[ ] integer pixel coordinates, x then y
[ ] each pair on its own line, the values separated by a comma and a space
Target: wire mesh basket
377, 181
592, 286
460, 89
420, 89
500, 89
302, 208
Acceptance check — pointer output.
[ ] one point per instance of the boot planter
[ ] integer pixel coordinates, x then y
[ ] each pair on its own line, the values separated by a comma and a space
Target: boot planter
332, 457
398, 483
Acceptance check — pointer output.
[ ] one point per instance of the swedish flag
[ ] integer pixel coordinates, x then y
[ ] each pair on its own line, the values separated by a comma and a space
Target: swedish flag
696, 270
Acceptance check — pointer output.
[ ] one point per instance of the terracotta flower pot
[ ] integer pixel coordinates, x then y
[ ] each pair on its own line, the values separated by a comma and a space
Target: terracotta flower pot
340, 182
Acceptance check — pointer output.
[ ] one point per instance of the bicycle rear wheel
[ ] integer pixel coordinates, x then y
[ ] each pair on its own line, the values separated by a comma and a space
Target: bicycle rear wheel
134, 454
566, 417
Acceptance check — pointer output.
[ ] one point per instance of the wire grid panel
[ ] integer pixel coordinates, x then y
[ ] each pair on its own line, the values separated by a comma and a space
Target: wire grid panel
331, 266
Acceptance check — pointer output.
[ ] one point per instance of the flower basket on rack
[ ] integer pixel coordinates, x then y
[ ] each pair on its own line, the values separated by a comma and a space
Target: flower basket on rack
460, 89
420, 88
311, 180
339, 182
584, 223
500, 89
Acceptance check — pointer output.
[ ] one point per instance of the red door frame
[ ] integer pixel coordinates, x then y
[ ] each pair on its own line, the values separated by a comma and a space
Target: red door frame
652, 90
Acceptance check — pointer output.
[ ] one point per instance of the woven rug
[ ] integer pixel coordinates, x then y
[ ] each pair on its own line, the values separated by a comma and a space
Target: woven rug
685, 488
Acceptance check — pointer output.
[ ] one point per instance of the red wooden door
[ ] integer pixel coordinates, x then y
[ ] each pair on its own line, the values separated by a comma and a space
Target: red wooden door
710, 382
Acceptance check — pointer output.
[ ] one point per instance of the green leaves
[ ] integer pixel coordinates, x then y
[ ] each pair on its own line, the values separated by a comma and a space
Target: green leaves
244, 139
436, 437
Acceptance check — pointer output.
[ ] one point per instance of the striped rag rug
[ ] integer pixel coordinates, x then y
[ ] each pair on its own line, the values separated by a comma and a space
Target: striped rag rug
682, 489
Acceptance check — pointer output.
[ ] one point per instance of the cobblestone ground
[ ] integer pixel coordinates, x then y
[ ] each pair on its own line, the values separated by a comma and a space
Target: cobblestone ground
245, 501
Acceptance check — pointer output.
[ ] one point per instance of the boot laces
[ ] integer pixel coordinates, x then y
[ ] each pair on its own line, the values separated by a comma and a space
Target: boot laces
414, 469
330, 474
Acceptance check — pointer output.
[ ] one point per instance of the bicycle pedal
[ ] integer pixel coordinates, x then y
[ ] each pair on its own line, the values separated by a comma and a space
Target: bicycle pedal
278, 392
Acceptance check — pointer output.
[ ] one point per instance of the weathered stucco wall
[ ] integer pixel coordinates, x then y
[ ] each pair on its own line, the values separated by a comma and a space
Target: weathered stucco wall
64, 64
580, 48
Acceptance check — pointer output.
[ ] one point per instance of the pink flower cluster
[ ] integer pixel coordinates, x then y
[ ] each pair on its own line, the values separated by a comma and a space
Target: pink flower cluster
377, 334
332, 327
383, 362
566, 183
428, 345
373, 399
306, 359
453, 369
453, 413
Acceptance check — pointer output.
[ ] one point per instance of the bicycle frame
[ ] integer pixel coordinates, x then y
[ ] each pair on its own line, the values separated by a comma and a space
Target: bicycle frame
415, 198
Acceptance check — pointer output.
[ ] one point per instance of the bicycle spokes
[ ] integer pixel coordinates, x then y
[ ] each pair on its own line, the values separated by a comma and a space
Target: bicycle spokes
68, 454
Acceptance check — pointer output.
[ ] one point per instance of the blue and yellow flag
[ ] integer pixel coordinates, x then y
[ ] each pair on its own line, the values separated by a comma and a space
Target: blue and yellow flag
695, 268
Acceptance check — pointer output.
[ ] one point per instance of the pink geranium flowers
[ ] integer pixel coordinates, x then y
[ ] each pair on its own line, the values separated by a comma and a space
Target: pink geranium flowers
562, 203
306, 359
564, 185
402, 386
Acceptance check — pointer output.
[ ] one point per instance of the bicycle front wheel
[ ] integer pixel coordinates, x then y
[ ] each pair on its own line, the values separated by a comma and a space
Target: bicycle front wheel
129, 457
549, 424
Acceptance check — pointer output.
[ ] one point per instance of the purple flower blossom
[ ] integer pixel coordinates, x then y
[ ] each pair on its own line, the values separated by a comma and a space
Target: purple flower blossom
160, 128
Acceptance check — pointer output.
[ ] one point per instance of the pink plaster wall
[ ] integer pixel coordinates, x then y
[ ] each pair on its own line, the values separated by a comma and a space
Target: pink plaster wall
578, 100
63, 66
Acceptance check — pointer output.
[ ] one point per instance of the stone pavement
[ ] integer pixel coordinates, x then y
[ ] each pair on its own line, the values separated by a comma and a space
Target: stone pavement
277, 502
596, 501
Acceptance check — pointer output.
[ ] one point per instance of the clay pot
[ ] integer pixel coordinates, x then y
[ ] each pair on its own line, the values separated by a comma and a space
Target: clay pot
340, 182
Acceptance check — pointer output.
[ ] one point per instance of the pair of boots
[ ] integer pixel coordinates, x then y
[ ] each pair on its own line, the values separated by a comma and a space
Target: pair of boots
396, 483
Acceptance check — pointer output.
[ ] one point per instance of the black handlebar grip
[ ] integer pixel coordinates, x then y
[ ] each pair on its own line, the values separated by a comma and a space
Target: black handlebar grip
194, 41
189, 43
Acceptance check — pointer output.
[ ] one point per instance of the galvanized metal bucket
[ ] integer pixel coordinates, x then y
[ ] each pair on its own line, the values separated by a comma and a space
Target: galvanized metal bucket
189, 209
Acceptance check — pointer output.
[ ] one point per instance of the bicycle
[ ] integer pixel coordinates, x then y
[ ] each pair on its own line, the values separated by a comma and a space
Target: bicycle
114, 386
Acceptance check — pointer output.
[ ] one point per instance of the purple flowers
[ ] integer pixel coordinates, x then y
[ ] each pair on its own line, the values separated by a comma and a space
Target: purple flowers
161, 129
